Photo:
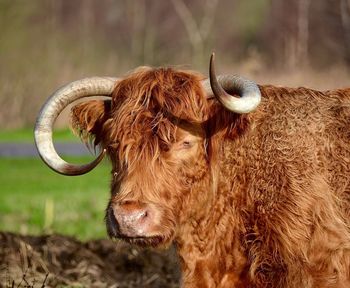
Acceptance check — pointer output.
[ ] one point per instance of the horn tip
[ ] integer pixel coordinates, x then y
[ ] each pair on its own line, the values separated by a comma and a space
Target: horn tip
212, 56
211, 67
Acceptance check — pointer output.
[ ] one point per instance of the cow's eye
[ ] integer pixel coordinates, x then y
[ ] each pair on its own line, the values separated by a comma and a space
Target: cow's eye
187, 144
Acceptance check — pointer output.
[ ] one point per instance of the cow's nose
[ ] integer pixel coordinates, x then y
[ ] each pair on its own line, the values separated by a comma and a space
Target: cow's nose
128, 212
131, 217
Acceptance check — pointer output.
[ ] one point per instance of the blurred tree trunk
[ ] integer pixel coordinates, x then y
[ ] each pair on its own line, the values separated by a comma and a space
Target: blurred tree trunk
197, 34
148, 47
53, 24
87, 23
303, 32
297, 43
345, 17
138, 8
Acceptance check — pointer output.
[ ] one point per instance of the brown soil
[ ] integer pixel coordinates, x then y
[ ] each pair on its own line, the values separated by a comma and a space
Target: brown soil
60, 261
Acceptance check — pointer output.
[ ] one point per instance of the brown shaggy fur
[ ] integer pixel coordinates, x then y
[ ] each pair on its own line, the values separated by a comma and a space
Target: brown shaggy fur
257, 200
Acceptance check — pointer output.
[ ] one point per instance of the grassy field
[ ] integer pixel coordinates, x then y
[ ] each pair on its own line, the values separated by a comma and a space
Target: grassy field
25, 135
36, 200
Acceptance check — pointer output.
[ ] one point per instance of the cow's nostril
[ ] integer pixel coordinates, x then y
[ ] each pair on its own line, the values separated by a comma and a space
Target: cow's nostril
139, 215
111, 222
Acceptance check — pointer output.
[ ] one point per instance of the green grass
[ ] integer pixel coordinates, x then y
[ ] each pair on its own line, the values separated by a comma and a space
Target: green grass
36, 200
26, 135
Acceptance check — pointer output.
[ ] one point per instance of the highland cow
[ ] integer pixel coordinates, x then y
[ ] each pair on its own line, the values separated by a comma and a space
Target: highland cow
251, 183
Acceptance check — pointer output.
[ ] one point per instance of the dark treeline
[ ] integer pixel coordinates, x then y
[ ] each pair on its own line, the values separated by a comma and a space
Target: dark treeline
44, 43
288, 33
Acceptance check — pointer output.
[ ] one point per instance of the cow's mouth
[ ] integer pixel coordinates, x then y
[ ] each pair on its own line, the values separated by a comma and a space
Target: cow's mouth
144, 241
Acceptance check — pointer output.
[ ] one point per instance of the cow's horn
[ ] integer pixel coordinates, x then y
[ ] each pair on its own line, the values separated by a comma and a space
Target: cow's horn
248, 91
94, 86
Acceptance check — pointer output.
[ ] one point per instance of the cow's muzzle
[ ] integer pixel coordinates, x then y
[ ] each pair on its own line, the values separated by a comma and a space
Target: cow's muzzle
132, 221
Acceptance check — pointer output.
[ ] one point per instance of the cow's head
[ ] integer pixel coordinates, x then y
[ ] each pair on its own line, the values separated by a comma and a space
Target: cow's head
156, 127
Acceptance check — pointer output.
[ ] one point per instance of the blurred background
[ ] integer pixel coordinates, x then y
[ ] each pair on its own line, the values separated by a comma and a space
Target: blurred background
47, 43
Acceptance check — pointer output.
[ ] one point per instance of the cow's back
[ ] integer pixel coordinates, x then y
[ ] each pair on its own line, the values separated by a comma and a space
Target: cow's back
317, 124
291, 185
337, 146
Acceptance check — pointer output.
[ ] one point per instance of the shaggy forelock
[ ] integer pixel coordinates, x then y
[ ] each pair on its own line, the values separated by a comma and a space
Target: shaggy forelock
147, 107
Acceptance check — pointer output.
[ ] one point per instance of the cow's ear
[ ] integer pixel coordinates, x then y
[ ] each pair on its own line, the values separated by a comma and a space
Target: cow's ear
88, 118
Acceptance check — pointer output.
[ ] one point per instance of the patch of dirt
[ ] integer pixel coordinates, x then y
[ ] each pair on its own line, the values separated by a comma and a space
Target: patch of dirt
60, 261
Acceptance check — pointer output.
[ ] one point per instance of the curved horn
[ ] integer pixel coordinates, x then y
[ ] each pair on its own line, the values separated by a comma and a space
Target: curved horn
249, 92
94, 86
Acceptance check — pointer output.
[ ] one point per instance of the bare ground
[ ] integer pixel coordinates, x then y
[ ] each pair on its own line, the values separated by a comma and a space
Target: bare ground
60, 261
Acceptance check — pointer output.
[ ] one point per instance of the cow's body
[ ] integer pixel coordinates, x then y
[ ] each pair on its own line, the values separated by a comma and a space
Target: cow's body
250, 200
280, 217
